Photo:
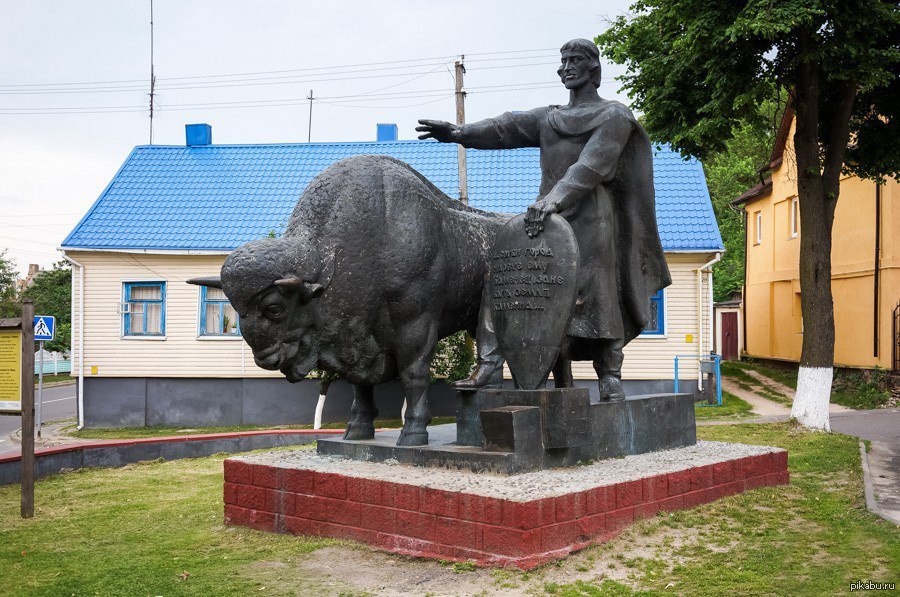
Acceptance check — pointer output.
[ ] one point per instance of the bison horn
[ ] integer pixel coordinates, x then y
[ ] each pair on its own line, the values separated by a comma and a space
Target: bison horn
290, 282
307, 290
211, 281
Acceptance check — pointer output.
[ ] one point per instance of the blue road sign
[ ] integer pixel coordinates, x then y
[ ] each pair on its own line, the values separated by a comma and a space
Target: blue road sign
44, 327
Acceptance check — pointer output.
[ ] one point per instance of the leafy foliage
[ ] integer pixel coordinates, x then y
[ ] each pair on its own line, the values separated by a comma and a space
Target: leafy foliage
9, 306
51, 290
729, 173
454, 358
699, 70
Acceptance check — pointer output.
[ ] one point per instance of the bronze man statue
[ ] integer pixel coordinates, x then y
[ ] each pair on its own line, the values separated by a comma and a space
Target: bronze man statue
596, 172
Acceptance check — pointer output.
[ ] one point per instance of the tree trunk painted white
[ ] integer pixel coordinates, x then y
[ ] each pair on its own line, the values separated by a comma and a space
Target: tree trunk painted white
320, 406
813, 397
403, 412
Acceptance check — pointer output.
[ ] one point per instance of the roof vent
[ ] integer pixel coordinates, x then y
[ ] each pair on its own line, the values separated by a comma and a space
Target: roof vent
198, 134
386, 132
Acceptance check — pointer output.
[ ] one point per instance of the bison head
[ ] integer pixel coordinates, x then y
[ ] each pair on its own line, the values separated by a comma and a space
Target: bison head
274, 293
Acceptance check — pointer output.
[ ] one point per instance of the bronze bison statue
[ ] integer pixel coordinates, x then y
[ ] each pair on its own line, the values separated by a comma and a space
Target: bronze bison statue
376, 265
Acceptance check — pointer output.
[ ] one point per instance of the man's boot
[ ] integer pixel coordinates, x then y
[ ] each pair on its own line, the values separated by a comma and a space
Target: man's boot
487, 374
608, 364
489, 371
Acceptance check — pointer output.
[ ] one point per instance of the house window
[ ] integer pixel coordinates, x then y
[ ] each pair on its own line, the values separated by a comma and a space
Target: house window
217, 316
657, 324
795, 217
758, 226
144, 309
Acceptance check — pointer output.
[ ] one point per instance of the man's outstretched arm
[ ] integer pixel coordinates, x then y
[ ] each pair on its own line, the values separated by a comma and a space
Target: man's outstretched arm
507, 131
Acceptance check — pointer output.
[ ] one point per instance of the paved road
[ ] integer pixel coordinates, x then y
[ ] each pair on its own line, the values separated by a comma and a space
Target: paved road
882, 425
59, 403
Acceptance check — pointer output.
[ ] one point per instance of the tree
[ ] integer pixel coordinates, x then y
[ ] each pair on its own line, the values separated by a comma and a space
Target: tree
9, 305
51, 290
729, 173
697, 69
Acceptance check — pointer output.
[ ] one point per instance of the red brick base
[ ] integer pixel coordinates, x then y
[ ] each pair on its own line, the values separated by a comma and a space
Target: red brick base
425, 522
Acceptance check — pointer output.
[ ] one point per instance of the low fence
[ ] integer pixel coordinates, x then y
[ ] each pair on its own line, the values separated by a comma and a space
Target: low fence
53, 367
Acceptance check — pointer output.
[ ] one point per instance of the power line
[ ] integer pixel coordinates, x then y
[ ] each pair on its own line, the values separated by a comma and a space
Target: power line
256, 82
409, 61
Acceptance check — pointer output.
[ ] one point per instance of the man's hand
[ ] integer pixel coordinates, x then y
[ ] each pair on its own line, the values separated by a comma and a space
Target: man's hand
537, 212
439, 130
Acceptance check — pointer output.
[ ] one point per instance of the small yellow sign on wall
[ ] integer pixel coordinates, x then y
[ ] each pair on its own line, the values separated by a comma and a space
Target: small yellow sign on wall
689, 338
11, 371
95, 369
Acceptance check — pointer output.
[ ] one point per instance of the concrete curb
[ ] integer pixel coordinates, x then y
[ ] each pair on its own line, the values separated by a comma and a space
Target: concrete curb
868, 488
116, 453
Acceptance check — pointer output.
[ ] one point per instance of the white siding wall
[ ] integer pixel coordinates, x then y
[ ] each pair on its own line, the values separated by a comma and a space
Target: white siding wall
183, 354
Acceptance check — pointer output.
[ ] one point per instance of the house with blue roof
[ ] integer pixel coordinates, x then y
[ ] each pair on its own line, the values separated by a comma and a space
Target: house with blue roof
150, 349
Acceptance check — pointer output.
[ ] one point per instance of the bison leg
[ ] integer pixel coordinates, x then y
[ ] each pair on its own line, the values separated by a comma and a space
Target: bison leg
415, 378
362, 413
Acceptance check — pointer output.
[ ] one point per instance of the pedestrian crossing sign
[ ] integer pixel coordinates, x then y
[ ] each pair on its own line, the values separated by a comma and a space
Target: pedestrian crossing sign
44, 327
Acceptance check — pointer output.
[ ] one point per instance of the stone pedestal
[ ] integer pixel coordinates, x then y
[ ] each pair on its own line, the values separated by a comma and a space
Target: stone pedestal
491, 520
514, 431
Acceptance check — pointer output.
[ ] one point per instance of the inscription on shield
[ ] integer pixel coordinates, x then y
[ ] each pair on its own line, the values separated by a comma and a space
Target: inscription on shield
533, 291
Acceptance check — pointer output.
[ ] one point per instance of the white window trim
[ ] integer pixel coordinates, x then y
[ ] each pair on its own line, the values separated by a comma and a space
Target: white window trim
758, 228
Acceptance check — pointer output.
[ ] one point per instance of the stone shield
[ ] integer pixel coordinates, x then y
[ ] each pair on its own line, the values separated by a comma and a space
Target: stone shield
533, 291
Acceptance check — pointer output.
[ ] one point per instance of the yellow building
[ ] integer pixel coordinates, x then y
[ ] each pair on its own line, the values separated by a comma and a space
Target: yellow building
865, 265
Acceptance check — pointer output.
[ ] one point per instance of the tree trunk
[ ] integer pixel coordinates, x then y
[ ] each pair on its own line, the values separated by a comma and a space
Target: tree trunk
818, 187
810, 406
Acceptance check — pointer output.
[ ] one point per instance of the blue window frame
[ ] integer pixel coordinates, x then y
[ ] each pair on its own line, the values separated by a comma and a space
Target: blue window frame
657, 324
144, 309
217, 316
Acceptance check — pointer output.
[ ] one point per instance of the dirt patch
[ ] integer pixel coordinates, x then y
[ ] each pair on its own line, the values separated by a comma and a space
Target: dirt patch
351, 569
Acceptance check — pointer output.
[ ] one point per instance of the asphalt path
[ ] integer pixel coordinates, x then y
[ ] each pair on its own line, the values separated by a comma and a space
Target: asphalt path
59, 403
881, 425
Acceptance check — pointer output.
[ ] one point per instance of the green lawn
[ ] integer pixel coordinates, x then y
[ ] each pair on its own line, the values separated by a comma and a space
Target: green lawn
134, 530
851, 388
732, 408
55, 379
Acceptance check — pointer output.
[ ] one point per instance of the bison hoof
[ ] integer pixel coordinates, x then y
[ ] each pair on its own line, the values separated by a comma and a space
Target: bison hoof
357, 432
413, 438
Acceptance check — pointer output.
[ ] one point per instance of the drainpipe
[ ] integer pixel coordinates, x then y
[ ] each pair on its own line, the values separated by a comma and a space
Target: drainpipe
80, 403
877, 282
700, 271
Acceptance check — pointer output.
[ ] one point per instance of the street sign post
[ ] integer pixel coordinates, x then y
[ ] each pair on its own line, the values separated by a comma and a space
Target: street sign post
44, 329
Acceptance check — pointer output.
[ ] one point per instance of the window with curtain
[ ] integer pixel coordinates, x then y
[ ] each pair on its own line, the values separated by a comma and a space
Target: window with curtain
657, 324
144, 309
217, 316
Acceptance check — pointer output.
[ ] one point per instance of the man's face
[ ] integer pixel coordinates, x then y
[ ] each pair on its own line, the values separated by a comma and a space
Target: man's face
574, 70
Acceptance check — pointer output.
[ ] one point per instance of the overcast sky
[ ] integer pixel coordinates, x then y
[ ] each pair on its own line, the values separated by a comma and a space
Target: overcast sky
74, 82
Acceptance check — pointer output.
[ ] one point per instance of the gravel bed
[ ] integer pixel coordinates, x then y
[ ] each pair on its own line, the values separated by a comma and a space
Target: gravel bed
520, 487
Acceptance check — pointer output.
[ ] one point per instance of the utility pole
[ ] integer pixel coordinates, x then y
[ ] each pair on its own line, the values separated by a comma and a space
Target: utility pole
460, 120
27, 478
309, 128
152, 76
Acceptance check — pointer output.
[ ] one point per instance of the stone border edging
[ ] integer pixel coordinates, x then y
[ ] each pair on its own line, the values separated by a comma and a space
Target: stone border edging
115, 453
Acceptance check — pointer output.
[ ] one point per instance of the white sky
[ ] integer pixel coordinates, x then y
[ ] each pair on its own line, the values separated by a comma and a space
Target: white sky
57, 155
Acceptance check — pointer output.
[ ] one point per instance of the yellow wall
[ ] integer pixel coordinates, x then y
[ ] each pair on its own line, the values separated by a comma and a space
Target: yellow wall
183, 354
772, 293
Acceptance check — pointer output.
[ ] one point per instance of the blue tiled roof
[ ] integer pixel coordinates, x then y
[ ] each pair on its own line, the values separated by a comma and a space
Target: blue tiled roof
217, 197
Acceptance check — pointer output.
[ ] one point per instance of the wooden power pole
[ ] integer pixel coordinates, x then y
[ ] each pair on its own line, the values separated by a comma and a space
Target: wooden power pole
460, 120
27, 478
